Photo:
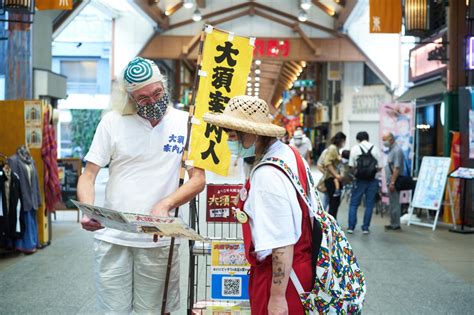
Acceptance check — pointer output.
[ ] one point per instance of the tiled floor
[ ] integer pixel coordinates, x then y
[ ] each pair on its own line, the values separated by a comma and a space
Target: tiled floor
416, 271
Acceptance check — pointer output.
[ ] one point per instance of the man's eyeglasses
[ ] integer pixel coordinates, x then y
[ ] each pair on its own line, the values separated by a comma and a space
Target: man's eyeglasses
144, 100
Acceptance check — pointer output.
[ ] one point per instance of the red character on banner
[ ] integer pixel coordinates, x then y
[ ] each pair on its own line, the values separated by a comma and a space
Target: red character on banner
220, 201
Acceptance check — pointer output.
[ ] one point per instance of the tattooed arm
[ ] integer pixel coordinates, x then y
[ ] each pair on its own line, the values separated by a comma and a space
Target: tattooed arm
282, 260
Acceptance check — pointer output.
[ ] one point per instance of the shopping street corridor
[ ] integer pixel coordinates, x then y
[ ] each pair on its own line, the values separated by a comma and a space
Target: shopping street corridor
416, 271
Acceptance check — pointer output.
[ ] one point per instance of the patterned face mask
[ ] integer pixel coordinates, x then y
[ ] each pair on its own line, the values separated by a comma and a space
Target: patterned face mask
154, 111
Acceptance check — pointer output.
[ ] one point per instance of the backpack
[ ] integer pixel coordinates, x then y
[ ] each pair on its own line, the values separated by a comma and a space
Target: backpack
339, 286
366, 165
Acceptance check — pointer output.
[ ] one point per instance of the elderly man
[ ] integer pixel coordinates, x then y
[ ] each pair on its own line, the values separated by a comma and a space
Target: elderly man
302, 143
393, 169
142, 142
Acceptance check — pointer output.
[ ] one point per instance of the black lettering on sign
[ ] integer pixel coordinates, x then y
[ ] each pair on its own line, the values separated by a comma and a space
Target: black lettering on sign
227, 53
222, 77
210, 152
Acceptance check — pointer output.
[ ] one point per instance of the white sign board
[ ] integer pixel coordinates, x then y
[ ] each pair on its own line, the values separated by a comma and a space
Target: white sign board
429, 191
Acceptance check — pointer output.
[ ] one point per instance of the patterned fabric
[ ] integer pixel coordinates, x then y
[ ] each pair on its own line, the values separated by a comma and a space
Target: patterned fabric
49, 153
141, 72
154, 111
340, 284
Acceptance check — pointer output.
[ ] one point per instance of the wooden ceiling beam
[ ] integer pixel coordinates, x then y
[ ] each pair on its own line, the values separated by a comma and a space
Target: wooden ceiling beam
201, 4
306, 39
273, 18
295, 19
325, 8
349, 6
229, 17
173, 9
211, 14
154, 12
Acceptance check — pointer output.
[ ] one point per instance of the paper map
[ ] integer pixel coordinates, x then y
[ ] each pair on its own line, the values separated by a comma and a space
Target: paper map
139, 223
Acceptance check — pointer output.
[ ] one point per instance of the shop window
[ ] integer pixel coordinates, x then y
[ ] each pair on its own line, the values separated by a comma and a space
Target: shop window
81, 76
370, 78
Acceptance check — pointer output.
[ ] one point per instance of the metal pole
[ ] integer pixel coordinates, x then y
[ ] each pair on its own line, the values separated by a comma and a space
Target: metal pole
183, 169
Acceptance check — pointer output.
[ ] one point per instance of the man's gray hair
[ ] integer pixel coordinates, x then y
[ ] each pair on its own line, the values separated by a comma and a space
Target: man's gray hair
120, 99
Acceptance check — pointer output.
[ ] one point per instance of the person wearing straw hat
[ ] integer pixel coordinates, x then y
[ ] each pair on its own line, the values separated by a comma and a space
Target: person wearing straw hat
141, 140
276, 223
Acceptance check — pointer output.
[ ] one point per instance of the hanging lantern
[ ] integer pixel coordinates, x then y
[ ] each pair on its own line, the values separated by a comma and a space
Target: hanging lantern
416, 17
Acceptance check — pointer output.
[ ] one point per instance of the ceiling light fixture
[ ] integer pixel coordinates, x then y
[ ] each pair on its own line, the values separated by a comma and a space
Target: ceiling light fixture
305, 4
188, 4
257, 79
257, 84
249, 84
258, 62
197, 16
303, 16
257, 71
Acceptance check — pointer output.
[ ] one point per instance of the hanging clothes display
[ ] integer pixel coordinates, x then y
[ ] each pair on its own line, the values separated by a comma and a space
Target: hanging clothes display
49, 153
23, 164
12, 224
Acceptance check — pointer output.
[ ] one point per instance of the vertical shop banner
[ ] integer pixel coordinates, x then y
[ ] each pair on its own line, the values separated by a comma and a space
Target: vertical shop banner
454, 183
33, 124
385, 16
54, 4
220, 201
229, 271
471, 134
225, 66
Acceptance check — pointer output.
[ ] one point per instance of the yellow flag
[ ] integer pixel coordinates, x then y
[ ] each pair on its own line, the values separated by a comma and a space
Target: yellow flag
54, 4
225, 66
385, 16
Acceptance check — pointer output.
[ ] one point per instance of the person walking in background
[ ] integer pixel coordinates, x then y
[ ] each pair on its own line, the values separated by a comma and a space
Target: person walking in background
321, 187
301, 143
364, 161
393, 169
331, 173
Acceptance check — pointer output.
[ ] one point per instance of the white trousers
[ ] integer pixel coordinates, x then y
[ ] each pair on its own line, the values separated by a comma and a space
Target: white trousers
131, 279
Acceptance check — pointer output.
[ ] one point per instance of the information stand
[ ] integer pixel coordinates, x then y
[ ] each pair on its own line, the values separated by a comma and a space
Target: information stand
465, 174
69, 170
430, 188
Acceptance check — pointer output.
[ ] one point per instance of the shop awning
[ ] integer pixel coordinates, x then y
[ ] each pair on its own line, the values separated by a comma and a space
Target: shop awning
425, 90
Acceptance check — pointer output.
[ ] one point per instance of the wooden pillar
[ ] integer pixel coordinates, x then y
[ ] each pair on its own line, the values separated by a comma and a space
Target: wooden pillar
456, 52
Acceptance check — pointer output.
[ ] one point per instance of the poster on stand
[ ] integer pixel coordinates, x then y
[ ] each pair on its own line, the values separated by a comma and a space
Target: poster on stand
229, 271
399, 119
33, 124
220, 201
431, 182
139, 223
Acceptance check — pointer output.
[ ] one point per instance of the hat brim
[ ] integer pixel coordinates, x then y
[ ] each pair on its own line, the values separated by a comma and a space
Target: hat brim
260, 129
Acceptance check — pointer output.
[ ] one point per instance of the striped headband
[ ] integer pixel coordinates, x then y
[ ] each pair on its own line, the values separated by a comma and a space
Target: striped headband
139, 73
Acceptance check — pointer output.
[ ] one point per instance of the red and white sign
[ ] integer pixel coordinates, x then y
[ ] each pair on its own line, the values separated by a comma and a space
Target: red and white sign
271, 48
221, 199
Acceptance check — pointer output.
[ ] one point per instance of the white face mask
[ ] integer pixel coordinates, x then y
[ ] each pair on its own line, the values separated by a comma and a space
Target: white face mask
298, 141
387, 144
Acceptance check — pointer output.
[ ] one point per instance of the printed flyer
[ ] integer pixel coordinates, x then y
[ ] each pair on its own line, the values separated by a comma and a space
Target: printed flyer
139, 223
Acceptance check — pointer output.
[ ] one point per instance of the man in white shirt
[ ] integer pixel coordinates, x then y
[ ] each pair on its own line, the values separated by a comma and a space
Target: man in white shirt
302, 143
364, 160
142, 141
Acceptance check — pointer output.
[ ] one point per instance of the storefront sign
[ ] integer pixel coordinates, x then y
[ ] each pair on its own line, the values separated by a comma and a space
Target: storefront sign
229, 271
303, 83
224, 70
367, 104
271, 48
470, 53
422, 64
471, 134
220, 202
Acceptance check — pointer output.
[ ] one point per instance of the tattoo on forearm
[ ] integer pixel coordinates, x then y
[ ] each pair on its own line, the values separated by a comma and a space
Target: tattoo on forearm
278, 267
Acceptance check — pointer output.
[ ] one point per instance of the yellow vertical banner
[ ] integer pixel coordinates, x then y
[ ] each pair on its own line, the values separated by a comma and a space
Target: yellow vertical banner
53, 4
226, 60
385, 16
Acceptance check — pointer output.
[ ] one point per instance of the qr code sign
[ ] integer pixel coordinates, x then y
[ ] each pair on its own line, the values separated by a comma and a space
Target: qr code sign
232, 286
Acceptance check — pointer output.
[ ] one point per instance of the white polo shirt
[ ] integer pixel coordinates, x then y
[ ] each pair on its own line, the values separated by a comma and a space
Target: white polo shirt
356, 152
144, 164
272, 204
